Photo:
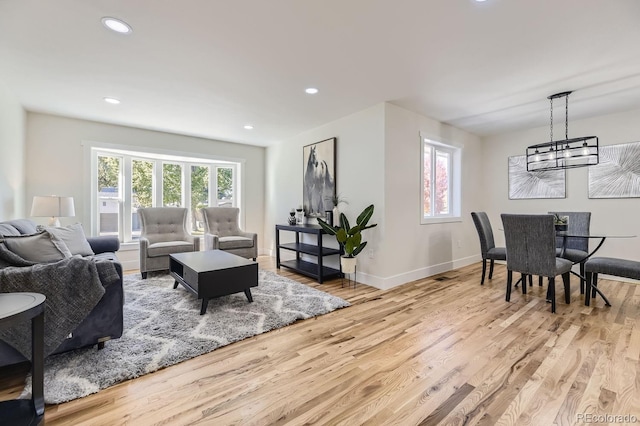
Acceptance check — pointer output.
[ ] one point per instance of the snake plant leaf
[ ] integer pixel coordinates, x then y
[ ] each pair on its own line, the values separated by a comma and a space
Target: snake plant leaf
329, 229
358, 249
341, 236
344, 222
364, 217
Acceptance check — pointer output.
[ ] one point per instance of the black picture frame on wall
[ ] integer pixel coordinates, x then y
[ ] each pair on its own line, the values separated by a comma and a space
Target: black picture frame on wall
319, 177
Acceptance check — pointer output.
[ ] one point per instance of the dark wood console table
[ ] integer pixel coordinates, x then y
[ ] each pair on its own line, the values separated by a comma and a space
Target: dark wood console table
314, 270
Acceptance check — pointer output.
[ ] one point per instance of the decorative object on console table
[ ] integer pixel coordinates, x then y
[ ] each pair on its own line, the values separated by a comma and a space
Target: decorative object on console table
336, 200
53, 207
350, 238
319, 172
292, 217
328, 215
299, 216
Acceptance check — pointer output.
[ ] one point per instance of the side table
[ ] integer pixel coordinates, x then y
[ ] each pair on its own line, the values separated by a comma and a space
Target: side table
16, 308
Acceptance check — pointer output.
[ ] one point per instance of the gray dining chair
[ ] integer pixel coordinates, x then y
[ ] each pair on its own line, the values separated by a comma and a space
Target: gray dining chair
576, 248
488, 247
531, 250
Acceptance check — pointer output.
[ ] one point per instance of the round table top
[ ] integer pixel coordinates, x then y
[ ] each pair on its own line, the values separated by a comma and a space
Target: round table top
14, 304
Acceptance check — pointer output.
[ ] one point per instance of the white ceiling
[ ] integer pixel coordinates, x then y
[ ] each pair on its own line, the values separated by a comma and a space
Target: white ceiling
208, 67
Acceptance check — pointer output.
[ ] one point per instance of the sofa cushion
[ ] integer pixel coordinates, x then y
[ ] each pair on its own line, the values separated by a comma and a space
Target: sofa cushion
73, 236
8, 229
42, 247
230, 243
167, 247
23, 226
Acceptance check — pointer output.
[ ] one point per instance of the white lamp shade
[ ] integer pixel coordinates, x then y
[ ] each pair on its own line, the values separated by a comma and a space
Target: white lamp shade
52, 206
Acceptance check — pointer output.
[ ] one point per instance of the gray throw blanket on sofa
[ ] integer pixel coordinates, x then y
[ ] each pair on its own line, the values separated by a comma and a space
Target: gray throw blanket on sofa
73, 287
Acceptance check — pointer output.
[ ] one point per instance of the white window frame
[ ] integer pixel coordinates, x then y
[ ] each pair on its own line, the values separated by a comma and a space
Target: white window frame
455, 181
158, 157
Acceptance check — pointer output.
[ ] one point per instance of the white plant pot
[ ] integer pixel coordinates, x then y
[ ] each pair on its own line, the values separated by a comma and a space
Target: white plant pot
348, 264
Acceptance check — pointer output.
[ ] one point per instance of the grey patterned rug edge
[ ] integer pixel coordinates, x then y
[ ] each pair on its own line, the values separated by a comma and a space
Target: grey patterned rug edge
163, 327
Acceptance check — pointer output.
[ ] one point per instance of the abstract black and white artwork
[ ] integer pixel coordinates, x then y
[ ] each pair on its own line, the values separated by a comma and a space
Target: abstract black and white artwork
618, 173
536, 184
319, 177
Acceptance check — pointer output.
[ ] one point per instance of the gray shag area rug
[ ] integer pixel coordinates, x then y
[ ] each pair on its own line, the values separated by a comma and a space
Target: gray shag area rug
163, 326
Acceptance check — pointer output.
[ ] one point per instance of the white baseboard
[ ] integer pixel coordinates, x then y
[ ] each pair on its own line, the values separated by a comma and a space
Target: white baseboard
417, 274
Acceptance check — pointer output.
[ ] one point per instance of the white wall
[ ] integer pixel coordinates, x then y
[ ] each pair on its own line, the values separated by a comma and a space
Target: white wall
359, 177
378, 161
412, 251
612, 216
12, 156
56, 163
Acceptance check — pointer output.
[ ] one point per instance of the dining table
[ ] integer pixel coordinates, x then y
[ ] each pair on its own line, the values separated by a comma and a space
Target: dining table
602, 236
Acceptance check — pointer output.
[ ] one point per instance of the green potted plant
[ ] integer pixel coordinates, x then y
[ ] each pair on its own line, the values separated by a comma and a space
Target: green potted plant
350, 237
561, 222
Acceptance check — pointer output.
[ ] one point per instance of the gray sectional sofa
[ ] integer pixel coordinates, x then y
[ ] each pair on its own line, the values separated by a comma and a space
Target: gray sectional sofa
104, 321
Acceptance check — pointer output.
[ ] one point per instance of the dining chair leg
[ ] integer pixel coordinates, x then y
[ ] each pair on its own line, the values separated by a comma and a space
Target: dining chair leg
540, 280
484, 270
551, 293
509, 282
587, 295
566, 279
530, 280
524, 283
491, 269
582, 278
594, 285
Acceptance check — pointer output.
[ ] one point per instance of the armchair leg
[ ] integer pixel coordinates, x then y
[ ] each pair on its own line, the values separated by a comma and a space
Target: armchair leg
144, 275
100, 345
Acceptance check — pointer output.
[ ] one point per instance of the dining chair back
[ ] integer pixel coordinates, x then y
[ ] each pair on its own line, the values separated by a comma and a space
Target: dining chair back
488, 247
576, 249
531, 250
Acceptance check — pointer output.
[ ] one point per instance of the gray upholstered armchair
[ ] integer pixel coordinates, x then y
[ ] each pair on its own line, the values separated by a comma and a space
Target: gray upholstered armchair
164, 231
222, 232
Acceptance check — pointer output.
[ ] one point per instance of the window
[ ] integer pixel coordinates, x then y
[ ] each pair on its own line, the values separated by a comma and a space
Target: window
125, 181
440, 174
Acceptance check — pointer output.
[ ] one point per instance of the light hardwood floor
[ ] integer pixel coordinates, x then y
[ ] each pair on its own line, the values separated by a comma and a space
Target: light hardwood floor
442, 350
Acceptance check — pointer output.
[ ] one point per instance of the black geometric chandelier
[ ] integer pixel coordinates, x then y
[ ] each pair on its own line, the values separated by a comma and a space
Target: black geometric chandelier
566, 153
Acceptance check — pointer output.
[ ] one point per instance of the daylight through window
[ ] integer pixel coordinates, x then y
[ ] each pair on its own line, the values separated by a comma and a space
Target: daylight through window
126, 181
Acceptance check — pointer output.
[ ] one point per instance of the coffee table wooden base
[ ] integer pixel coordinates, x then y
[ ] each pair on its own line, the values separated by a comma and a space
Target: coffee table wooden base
213, 273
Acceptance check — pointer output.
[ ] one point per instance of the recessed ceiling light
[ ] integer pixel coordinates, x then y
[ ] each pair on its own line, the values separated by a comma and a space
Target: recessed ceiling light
111, 101
116, 25
311, 90
248, 127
